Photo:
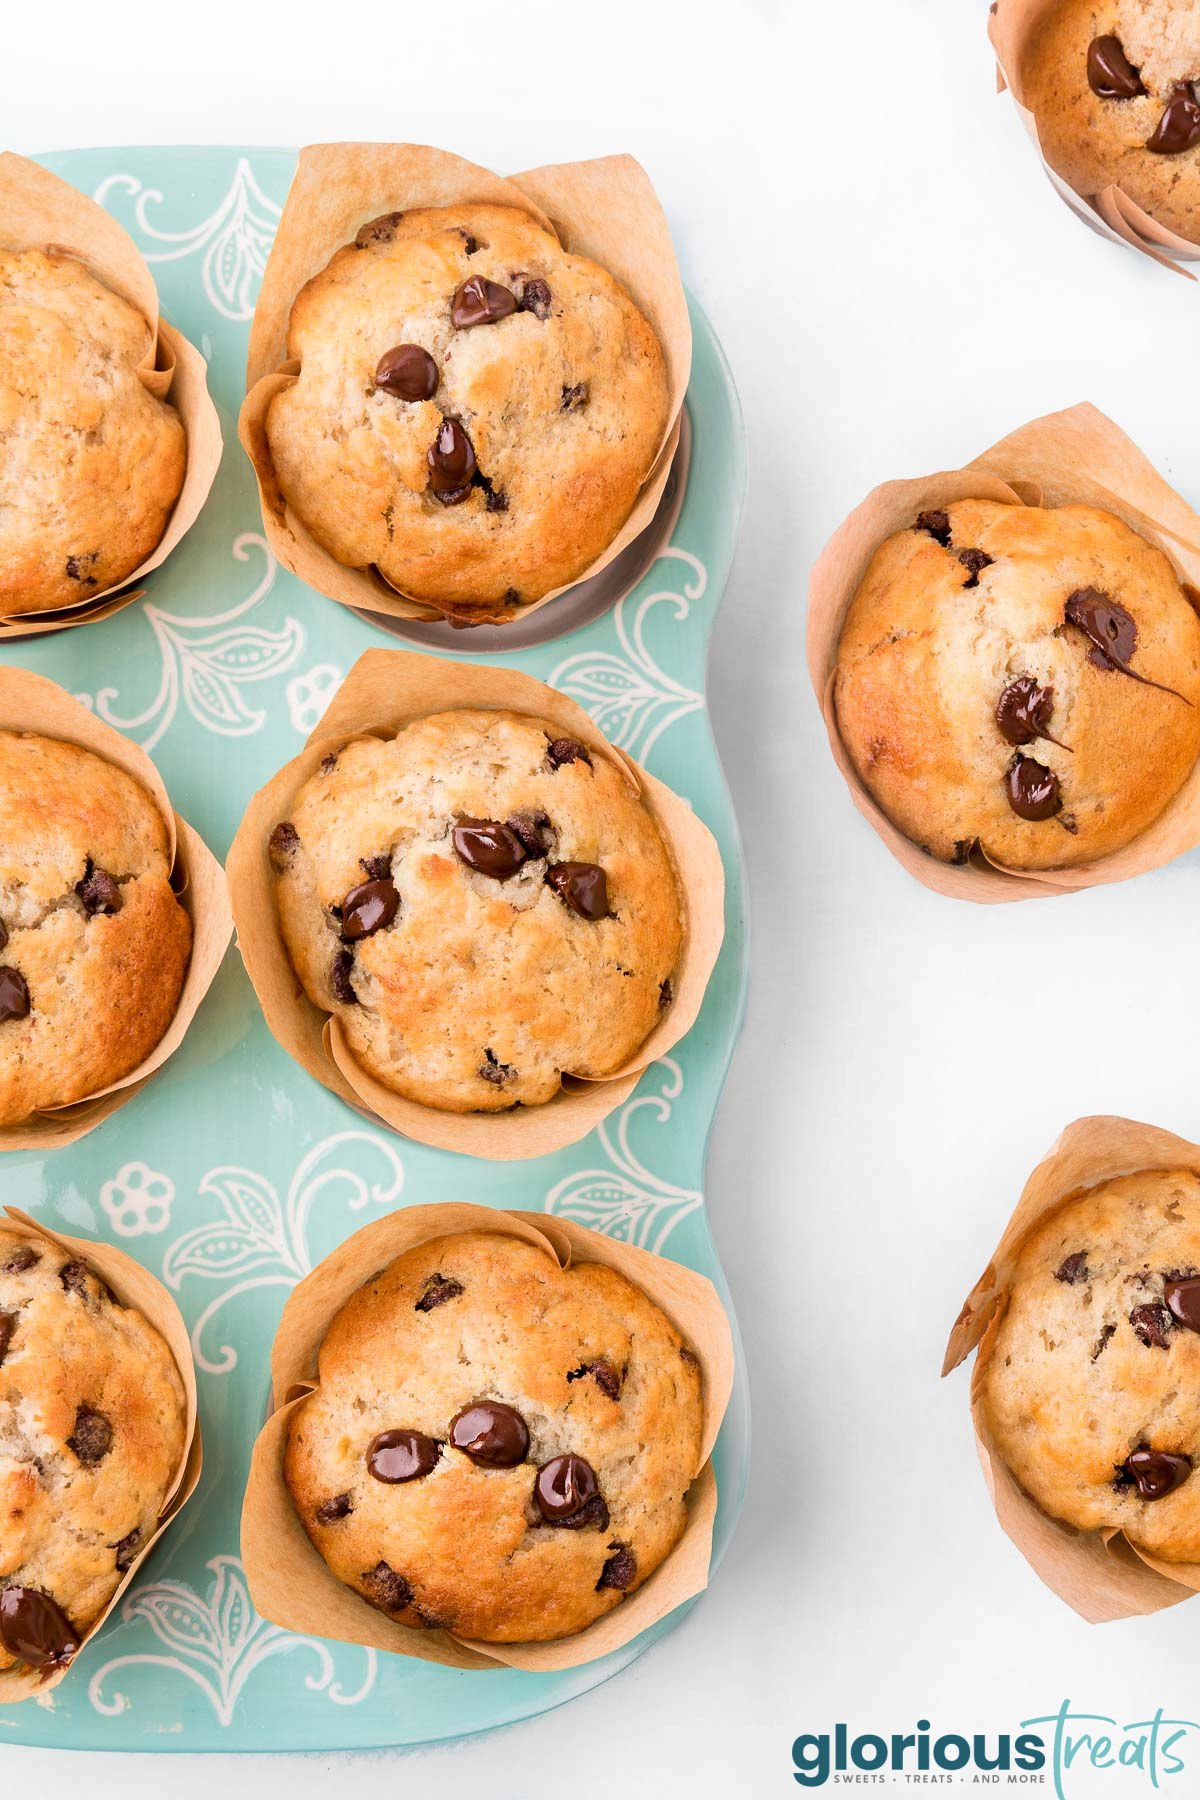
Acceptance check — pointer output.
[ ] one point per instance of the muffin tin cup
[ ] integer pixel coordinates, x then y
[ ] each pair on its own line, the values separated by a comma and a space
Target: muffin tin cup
40, 211
133, 1286
1076, 456
31, 703
290, 1583
1110, 212
605, 209
1100, 1574
385, 690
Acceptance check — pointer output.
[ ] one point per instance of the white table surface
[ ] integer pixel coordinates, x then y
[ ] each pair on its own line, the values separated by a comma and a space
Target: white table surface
896, 286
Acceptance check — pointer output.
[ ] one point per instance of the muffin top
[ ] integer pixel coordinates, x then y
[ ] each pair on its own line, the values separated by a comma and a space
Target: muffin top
498, 1446
1022, 679
93, 462
92, 1423
1091, 1383
93, 942
476, 409
1112, 84
483, 904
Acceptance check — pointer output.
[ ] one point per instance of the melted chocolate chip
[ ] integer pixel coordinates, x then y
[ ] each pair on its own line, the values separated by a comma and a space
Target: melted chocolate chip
481, 302
1032, 790
567, 750
1073, 1269
1112, 633
1179, 127
620, 1571
8, 1325
408, 371
1182, 1295
493, 1070
340, 983
14, 995
534, 295
1111, 75
92, 1437
565, 1486
127, 1550
385, 1589
438, 1289
282, 845
581, 886
402, 1455
574, 396
377, 231
1024, 710
99, 891
974, 561
21, 1260
1151, 1322
937, 524
34, 1628
489, 847
330, 1511
74, 1279
491, 1434
607, 1379
1157, 1473
369, 908
451, 459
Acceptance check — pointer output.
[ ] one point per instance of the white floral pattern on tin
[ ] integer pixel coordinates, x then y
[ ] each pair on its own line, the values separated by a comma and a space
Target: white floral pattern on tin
235, 238
309, 694
263, 1242
630, 697
138, 1199
217, 1641
628, 1201
206, 661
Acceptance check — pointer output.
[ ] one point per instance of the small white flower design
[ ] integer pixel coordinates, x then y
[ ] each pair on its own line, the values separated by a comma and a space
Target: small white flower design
309, 694
138, 1199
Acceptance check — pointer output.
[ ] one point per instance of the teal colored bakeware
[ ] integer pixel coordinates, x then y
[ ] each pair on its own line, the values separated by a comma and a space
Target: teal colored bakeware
234, 1172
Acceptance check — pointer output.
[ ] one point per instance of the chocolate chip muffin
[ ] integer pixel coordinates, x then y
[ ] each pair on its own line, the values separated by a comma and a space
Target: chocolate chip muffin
92, 1425
475, 412
1113, 85
93, 943
483, 904
1021, 680
1091, 1383
497, 1446
93, 462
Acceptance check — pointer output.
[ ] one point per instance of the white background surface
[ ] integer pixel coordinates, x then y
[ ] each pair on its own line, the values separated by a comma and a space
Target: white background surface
896, 286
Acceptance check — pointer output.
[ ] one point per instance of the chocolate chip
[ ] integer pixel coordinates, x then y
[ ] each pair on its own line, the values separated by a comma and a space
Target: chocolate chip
1111, 75
339, 978
581, 886
620, 1571
974, 561
377, 231
665, 994
1109, 1331
376, 868
395, 1456
1112, 633
1024, 710
1073, 1269
607, 1379
79, 568
1157, 1472
565, 1486
451, 459
688, 1355
368, 908
493, 1070
438, 1289
534, 295
1151, 1323
491, 1434
14, 995
8, 1325
92, 1437
34, 1628
937, 524
385, 1589
329, 1511
1182, 1295
21, 1260
408, 371
98, 891
470, 241
574, 397
74, 1279
3, 935
567, 750
489, 847
495, 499
282, 845
1032, 789
329, 762
481, 302
127, 1550
532, 829
1179, 127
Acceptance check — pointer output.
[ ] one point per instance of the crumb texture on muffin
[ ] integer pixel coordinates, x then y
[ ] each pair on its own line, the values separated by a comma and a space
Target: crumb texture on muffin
1022, 679
1091, 1384
476, 409
92, 1423
483, 904
578, 1407
93, 942
92, 462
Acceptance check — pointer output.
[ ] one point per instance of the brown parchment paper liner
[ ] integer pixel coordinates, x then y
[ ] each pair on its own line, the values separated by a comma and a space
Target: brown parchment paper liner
293, 1587
383, 691
605, 210
135, 1287
1098, 1573
40, 211
30, 702
1074, 456
1110, 212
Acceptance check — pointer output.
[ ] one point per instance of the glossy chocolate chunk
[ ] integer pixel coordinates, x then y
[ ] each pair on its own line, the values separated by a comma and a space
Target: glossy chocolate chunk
535, 295
1112, 633
8, 1325
339, 978
567, 750
1157, 1473
369, 908
1182, 1295
1024, 711
385, 1589
1111, 75
92, 1437
26, 1257
1151, 1322
402, 1455
1032, 790
451, 459
438, 1289
330, 1511
937, 524
99, 891
14, 995
34, 1628
564, 1487
282, 845
489, 847
1073, 1269
490, 1433
481, 302
127, 1549
408, 371
620, 1571
1179, 127
581, 886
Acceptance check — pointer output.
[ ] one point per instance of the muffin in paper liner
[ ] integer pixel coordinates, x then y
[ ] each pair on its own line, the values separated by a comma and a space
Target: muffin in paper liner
605, 210
1110, 212
31, 703
40, 211
134, 1287
289, 1582
1075, 456
385, 690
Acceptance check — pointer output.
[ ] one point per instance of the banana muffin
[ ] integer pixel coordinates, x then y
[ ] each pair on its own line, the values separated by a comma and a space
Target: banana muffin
1022, 680
93, 462
93, 942
1090, 1384
92, 1424
475, 412
484, 905
497, 1446
1113, 87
